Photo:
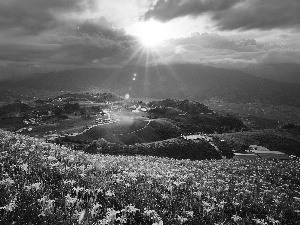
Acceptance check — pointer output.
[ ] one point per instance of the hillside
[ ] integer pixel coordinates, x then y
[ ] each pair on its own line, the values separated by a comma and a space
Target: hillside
195, 82
43, 183
283, 140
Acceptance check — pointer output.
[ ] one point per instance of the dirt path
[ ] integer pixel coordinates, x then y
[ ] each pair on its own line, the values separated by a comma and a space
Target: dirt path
149, 121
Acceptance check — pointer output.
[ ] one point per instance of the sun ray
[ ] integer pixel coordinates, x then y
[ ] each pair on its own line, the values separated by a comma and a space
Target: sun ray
154, 52
112, 78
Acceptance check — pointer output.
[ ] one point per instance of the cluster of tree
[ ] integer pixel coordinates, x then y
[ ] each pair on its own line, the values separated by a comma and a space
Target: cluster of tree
219, 123
223, 146
95, 97
14, 108
173, 148
184, 105
290, 126
199, 118
287, 141
167, 132
71, 107
161, 110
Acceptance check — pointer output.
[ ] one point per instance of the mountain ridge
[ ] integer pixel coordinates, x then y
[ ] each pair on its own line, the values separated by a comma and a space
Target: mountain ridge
194, 82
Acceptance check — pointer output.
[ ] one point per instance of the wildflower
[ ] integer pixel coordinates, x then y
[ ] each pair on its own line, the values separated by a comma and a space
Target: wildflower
24, 167
122, 219
47, 205
119, 181
55, 164
70, 200
272, 220
181, 219
10, 206
131, 209
81, 216
51, 158
8, 181
111, 215
82, 174
109, 193
236, 218
164, 196
260, 221
72, 182
36, 186
77, 190
94, 209
296, 198
189, 213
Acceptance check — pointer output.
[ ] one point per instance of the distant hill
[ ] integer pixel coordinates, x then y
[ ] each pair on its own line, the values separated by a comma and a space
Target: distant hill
194, 82
13, 108
284, 140
283, 72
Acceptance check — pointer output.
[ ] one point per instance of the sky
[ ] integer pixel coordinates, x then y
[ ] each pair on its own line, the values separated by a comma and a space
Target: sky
112, 33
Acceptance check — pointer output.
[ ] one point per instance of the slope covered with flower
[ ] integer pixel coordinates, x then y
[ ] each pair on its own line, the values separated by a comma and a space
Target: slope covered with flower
41, 183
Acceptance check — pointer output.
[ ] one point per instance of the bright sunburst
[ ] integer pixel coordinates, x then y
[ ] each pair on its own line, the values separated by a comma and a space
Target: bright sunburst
151, 33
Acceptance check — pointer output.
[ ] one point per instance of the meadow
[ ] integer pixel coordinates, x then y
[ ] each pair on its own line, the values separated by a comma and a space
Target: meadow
42, 183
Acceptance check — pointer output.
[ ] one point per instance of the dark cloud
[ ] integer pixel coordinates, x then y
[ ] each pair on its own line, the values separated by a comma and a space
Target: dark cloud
220, 51
34, 16
80, 43
101, 27
261, 14
232, 14
216, 41
165, 10
92, 40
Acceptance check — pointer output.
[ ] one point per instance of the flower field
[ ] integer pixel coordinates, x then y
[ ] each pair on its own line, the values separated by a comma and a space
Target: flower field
42, 183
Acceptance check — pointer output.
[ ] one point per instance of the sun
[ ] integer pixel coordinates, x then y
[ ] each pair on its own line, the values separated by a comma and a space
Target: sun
151, 33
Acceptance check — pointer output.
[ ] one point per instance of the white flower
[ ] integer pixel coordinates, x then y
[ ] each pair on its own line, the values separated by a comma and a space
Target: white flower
94, 209
51, 158
189, 213
111, 215
236, 218
182, 219
158, 223
70, 200
109, 193
81, 216
131, 209
72, 182
10, 206
296, 198
272, 220
8, 181
24, 167
260, 221
36, 186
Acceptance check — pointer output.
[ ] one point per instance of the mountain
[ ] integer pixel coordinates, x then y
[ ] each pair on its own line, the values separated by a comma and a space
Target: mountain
283, 72
194, 82
10, 70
